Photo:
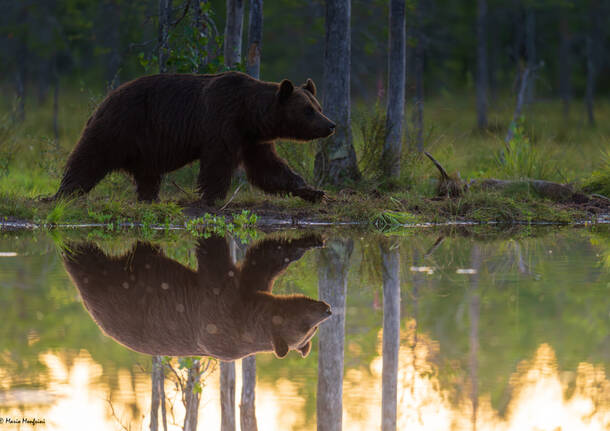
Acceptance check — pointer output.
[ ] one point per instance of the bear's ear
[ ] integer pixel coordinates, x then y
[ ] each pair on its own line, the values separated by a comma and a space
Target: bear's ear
286, 89
305, 349
279, 346
310, 86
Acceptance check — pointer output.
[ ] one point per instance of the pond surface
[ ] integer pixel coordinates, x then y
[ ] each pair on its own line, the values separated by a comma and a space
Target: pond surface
429, 330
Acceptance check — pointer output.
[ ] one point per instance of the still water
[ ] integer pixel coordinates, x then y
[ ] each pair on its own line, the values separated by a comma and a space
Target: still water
430, 330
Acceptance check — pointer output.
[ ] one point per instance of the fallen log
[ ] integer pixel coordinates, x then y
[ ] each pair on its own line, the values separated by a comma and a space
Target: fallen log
453, 186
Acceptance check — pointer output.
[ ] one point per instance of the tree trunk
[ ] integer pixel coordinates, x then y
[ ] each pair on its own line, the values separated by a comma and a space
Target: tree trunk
418, 109
165, 12
255, 39
233, 33
593, 39
192, 397
335, 162
332, 288
482, 75
247, 412
525, 78
530, 49
391, 333
565, 66
227, 396
111, 14
56, 103
20, 79
396, 90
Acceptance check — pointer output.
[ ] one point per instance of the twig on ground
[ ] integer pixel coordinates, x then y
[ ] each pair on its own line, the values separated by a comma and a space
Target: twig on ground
232, 197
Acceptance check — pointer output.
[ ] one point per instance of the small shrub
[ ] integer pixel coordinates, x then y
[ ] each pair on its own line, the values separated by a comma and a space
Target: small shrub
600, 179
521, 159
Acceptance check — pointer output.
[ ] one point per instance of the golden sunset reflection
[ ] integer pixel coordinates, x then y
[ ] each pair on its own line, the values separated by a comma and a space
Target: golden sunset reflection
542, 397
538, 400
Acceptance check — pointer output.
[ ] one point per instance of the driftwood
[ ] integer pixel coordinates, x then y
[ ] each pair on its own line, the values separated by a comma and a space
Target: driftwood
453, 186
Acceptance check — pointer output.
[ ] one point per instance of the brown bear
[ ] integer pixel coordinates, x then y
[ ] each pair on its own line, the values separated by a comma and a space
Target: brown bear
155, 305
159, 123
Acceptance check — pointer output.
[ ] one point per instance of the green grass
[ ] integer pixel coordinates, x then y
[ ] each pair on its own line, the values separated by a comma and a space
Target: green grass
546, 146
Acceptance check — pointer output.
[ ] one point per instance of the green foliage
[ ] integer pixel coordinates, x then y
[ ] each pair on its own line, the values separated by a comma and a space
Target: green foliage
242, 226
522, 160
8, 143
600, 180
371, 127
388, 221
191, 49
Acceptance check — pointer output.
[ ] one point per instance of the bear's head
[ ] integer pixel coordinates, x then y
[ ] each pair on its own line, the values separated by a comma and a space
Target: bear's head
298, 114
294, 321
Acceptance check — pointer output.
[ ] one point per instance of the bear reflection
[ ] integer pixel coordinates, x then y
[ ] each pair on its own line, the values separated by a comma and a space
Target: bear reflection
155, 305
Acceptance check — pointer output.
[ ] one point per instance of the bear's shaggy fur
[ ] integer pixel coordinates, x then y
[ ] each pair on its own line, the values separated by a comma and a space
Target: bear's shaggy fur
154, 305
159, 123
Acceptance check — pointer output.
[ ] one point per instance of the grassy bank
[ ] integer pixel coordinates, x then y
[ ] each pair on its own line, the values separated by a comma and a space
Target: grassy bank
547, 145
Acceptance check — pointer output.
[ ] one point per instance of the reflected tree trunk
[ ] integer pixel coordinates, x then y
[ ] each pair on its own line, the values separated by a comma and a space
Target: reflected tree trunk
227, 396
233, 33
247, 410
158, 394
335, 162
390, 259
192, 397
255, 39
396, 90
482, 76
332, 287
474, 311
165, 11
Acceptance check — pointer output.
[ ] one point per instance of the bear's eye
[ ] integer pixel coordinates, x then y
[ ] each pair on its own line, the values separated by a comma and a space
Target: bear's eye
309, 111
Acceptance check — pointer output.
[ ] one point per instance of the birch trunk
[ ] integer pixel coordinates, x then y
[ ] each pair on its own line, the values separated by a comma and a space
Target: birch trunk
335, 162
482, 76
164, 21
332, 288
233, 33
592, 52
391, 334
565, 66
396, 90
530, 48
418, 109
255, 39
56, 103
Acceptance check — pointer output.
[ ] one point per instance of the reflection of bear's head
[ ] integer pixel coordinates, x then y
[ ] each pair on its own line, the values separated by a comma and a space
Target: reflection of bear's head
154, 305
298, 113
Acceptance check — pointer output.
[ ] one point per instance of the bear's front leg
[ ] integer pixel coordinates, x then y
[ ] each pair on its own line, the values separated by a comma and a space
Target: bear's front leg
266, 170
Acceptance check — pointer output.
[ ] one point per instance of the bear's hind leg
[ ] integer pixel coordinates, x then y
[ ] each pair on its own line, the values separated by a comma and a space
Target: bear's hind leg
148, 187
214, 180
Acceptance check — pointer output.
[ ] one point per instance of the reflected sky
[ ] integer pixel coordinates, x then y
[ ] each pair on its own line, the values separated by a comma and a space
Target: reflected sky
496, 333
